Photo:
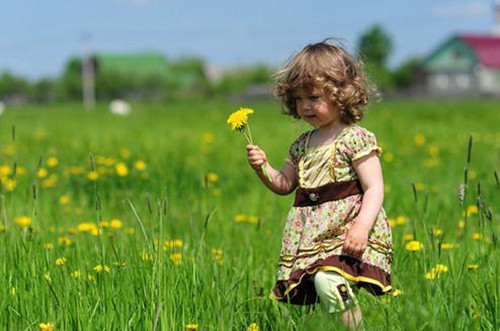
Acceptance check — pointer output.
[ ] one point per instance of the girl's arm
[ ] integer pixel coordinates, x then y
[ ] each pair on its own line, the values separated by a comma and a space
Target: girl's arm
369, 173
283, 181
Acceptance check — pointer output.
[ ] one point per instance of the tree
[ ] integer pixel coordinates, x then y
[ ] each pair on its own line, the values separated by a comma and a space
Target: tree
406, 73
374, 47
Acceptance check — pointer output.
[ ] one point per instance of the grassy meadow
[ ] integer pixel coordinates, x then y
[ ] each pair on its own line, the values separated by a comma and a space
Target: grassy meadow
155, 221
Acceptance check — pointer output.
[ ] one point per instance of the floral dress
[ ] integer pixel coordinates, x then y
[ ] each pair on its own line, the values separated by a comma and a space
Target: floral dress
314, 234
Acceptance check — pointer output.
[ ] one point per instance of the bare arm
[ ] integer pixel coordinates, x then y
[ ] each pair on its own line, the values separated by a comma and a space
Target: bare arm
283, 181
369, 173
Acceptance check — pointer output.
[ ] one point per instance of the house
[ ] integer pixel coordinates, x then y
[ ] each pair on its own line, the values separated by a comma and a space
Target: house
465, 64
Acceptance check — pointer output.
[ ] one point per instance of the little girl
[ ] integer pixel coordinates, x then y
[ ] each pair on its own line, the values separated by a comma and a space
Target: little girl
337, 236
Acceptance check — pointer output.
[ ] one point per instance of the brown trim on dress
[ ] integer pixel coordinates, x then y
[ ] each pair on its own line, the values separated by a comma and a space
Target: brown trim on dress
328, 192
299, 288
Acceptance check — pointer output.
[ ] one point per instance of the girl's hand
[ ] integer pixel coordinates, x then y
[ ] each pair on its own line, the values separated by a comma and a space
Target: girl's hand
256, 157
355, 240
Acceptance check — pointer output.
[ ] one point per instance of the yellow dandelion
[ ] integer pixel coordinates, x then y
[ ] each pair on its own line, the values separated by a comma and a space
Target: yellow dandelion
253, 327
50, 182
215, 251
140, 165
212, 177
472, 174
392, 222
239, 119
101, 268
130, 231
447, 245
65, 241
414, 246
461, 224
64, 200
60, 261
76, 274
104, 224
9, 184
46, 326
431, 162
472, 266
24, 221
408, 237
86, 227
419, 139
441, 268
2, 228
420, 186
120, 264
239, 218
93, 175
191, 326
253, 219
124, 153
12, 291
472, 209
176, 258
115, 223
47, 277
433, 150
401, 220
437, 231
52, 161
5, 170
42, 173
477, 236
121, 169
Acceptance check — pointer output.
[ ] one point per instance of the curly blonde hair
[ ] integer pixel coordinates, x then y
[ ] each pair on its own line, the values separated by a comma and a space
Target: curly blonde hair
325, 67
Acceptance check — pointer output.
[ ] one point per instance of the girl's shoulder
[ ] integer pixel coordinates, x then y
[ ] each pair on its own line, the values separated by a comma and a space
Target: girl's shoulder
358, 141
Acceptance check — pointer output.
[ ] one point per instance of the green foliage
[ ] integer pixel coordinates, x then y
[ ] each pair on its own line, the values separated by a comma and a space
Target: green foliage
405, 74
241, 80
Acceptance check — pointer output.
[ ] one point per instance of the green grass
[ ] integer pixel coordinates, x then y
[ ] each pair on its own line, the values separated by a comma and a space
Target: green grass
196, 180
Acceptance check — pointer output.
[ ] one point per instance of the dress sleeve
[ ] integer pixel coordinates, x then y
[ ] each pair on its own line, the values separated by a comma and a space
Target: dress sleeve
297, 149
361, 143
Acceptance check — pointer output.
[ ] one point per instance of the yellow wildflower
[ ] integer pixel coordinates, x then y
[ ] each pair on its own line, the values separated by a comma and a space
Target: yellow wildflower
64, 199
47, 277
472, 266
176, 258
191, 326
2, 228
441, 268
461, 224
60, 261
253, 219
140, 165
46, 326
104, 224
5, 170
447, 245
419, 139
436, 271
101, 268
76, 274
42, 173
392, 222
437, 231
116, 223
253, 327
130, 231
414, 246
24, 220
433, 150
48, 246
124, 153
12, 291
65, 241
145, 256
239, 119
420, 186
472, 209
477, 236
396, 293
408, 237
86, 227
121, 169
212, 177
9, 184
401, 220
239, 218
93, 175
52, 161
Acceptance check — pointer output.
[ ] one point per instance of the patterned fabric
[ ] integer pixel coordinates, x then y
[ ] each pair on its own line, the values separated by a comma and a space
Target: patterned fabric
316, 233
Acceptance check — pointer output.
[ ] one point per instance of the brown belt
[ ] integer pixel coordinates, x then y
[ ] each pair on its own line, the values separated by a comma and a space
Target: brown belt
329, 192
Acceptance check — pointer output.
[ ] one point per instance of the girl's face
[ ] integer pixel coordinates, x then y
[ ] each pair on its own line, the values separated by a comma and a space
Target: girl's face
316, 109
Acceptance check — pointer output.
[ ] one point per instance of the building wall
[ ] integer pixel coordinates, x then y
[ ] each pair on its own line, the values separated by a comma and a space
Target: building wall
488, 80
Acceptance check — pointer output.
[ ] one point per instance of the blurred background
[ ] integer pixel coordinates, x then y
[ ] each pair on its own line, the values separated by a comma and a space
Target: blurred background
159, 50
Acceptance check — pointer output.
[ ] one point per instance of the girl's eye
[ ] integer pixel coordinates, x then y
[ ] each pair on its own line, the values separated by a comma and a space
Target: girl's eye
313, 98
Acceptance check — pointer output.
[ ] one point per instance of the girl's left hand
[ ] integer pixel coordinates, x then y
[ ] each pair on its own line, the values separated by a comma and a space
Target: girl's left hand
355, 241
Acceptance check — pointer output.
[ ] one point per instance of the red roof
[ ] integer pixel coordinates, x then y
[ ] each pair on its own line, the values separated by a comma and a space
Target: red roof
487, 48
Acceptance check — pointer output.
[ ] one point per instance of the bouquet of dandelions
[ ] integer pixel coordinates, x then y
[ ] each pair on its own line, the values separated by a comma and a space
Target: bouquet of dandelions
239, 122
